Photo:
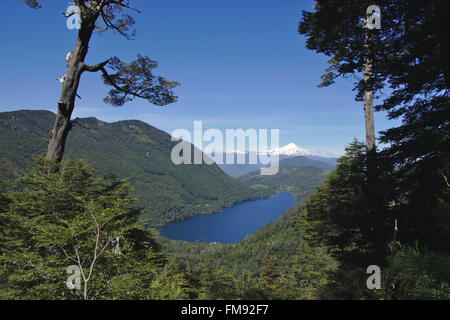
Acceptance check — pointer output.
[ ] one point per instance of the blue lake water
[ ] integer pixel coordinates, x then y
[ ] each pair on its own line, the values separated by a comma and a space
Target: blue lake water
232, 224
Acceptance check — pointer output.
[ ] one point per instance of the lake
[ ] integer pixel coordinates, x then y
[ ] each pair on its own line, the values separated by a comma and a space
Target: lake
232, 224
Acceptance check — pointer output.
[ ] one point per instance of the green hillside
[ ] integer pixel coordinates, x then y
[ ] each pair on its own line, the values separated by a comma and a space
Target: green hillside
125, 149
280, 238
240, 170
306, 162
301, 181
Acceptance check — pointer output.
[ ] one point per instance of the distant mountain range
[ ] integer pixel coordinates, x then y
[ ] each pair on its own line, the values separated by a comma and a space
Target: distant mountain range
131, 149
289, 155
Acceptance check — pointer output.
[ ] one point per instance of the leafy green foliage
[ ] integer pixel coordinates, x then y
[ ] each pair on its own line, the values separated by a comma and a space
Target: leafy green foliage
357, 231
319, 251
269, 276
65, 218
282, 249
359, 236
410, 56
300, 181
217, 284
112, 12
419, 275
136, 79
33, 4
312, 263
341, 217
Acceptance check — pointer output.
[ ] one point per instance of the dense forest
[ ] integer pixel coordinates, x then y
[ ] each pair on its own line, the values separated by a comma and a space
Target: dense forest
385, 205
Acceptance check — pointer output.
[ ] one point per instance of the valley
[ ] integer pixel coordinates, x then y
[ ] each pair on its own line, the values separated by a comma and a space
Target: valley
234, 150
170, 193
127, 149
280, 239
231, 224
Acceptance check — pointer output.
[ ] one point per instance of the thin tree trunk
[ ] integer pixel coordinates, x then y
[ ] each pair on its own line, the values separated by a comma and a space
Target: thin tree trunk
368, 98
370, 124
368, 115
66, 104
373, 203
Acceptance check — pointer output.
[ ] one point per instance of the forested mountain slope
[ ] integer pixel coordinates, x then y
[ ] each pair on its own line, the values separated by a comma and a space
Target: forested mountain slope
125, 149
240, 170
301, 181
280, 239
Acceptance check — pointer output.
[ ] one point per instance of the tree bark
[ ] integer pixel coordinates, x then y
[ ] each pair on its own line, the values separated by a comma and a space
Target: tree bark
372, 195
66, 104
368, 97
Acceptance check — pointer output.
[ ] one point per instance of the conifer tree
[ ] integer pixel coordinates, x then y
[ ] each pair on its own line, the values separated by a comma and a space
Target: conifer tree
410, 66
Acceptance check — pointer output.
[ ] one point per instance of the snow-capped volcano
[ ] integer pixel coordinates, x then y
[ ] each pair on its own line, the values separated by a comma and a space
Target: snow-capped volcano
291, 150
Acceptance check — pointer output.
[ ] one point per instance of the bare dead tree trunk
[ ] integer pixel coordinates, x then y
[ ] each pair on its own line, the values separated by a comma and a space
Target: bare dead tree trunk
66, 104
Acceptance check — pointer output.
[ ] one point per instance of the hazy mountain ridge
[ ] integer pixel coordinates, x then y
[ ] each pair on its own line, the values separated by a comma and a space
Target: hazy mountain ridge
290, 155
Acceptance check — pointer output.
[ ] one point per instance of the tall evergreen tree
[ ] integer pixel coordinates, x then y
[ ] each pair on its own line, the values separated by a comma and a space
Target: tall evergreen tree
343, 216
411, 59
269, 277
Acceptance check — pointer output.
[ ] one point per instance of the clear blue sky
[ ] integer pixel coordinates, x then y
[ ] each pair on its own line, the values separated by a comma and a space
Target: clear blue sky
241, 64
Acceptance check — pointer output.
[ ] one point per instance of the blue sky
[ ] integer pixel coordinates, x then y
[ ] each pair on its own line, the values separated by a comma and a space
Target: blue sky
241, 64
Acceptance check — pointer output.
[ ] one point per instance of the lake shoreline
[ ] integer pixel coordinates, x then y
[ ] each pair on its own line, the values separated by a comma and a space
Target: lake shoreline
231, 224
226, 206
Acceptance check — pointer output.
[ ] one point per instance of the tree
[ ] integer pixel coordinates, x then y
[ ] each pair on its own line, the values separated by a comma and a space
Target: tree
368, 100
66, 218
410, 52
129, 80
269, 277
340, 218
419, 275
217, 284
4, 202
339, 30
343, 217
410, 58
312, 262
